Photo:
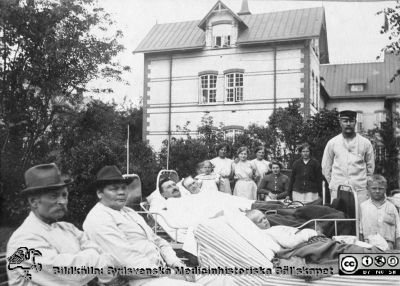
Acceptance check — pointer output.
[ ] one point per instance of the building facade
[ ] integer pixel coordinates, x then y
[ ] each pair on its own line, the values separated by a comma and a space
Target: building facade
367, 88
236, 68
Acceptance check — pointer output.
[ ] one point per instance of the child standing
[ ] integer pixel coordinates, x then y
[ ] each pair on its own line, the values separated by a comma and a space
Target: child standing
378, 216
209, 181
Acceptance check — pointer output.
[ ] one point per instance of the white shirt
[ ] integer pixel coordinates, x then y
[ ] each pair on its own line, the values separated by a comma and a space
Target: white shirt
382, 219
222, 167
61, 244
261, 167
126, 235
348, 162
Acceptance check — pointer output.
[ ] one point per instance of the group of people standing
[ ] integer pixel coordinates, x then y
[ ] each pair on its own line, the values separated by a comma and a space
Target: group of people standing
259, 176
348, 159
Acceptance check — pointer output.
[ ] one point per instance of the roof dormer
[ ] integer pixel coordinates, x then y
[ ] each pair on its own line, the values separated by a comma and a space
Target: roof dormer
221, 26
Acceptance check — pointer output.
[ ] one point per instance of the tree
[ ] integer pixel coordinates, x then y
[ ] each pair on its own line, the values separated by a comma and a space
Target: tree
386, 145
49, 52
391, 28
184, 155
94, 137
287, 126
255, 135
389, 165
319, 129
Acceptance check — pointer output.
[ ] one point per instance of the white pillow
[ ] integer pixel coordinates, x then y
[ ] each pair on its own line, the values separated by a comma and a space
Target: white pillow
182, 189
290, 237
155, 197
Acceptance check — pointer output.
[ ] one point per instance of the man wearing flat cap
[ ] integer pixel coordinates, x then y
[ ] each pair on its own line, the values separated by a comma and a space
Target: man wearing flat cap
124, 233
348, 158
53, 243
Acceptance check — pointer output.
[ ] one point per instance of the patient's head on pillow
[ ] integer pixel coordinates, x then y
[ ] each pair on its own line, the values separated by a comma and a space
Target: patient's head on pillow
258, 218
191, 185
168, 188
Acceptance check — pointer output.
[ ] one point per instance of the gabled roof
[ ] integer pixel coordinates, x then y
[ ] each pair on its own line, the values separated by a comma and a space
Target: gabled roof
262, 28
173, 36
283, 25
203, 22
375, 76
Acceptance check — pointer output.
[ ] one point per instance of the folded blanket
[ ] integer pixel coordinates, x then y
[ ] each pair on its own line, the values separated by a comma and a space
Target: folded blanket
297, 217
323, 249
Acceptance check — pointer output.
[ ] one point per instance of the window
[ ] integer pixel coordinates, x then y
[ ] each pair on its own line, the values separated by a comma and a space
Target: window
312, 89
234, 87
317, 93
232, 134
357, 84
208, 88
359, 123
222, 41
315, 46
380, 153
222, 35
356, 87
380, 116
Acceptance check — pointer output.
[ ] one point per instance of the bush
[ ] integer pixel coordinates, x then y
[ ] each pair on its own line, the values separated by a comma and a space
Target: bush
319, 129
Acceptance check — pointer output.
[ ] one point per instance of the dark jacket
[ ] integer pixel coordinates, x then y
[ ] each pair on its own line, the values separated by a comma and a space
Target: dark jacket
306, 177
278, 185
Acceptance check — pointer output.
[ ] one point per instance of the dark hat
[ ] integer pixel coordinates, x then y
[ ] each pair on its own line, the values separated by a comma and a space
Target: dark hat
43, 177
348, 113
109, 175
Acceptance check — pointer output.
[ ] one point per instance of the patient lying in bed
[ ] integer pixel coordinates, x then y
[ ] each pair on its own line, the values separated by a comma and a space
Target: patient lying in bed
233, 240
285, 236
187, 210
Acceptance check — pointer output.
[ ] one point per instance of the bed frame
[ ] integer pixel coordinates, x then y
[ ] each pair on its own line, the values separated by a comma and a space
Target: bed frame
342, 190
153, 218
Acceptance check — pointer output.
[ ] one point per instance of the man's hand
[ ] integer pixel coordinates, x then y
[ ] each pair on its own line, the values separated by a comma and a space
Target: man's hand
179, 264
273, 196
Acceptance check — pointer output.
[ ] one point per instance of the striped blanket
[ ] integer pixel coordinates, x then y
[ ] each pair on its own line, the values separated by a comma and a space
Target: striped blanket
235, 242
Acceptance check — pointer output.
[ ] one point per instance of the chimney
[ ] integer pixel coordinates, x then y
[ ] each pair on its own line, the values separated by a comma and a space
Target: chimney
245, 8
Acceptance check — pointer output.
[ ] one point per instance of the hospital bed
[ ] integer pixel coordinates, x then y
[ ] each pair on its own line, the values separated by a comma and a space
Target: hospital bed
237, 243
157, 221
161, 227
346, 202
347, 199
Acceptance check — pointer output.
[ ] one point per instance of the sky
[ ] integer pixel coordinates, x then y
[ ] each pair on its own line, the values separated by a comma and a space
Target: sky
353, 30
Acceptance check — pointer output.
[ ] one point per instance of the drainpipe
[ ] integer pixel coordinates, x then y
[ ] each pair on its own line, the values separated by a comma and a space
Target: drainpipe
274, 79
127, 152
169, 108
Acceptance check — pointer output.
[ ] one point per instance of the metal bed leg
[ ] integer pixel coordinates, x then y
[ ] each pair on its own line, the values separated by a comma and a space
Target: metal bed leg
335, 227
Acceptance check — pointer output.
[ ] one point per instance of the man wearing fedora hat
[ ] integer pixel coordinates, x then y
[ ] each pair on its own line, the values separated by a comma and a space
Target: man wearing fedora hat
124, 233
348, 158
59, 245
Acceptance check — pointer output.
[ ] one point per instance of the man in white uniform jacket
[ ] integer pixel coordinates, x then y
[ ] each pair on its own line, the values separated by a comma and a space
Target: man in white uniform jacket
348, 158
124, 233
50, 243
